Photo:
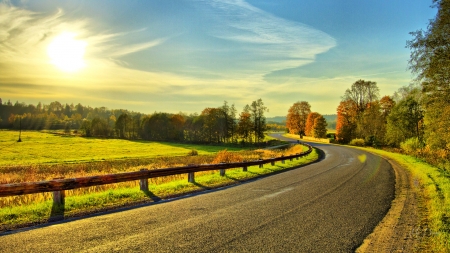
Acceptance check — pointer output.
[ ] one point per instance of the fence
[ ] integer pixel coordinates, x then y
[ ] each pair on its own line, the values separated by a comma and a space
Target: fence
58, 186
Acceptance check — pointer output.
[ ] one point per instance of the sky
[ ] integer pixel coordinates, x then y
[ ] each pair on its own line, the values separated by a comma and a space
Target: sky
186, 55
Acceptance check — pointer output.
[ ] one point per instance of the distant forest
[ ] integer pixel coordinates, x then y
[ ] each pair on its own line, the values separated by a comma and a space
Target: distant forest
213, 125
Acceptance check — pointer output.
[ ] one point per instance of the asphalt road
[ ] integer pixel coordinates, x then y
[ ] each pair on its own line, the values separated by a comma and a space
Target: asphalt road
328, 206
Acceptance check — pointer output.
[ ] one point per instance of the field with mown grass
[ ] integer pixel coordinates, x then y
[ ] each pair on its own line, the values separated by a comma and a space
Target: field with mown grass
37, 208
47, 148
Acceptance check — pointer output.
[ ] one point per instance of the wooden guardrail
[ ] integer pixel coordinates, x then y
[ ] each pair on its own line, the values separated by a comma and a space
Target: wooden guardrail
58, 186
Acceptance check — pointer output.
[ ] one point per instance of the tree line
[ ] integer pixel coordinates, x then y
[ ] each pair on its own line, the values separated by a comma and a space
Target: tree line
213, 125
416, 118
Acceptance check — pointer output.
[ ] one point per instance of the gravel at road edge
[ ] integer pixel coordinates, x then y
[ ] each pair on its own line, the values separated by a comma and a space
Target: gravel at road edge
404, 228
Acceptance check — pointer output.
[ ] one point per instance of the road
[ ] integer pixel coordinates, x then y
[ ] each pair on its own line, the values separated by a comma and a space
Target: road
328, 206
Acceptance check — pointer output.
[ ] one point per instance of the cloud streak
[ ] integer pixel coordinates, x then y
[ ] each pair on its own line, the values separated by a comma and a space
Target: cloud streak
270, 43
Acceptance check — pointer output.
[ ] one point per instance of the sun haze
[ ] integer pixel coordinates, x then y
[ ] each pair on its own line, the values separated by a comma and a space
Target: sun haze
66, 52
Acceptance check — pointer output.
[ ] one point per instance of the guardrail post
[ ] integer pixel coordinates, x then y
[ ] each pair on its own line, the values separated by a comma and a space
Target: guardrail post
222, 172
261, 165
143, 183
58, 198
282, 161
272, 163
297, 156
191, 177
244, 168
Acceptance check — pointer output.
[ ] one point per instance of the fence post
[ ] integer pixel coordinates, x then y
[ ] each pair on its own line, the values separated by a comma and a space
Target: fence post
261, 165
191, 177
272, 163
282, 161
297, 156
58, 198
143, 183
222, 172
244, 168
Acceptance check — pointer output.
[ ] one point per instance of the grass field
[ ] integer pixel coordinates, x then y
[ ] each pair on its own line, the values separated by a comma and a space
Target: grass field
46, 148
37, 208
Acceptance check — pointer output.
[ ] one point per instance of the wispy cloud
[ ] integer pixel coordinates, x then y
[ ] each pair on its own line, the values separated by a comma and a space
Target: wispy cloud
136, 48
271, 43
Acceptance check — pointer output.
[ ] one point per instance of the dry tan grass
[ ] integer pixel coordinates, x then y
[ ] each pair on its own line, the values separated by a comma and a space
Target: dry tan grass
33, 173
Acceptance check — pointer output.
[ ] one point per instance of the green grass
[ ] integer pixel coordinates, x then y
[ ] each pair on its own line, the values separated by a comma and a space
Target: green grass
46, 148
40, 212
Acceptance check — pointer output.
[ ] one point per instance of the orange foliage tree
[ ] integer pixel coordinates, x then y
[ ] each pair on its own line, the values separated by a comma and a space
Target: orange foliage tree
346, 121
309, 127
296, 118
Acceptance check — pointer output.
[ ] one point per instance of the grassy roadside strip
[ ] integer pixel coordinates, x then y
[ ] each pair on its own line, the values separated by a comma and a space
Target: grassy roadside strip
435, 190
20, 216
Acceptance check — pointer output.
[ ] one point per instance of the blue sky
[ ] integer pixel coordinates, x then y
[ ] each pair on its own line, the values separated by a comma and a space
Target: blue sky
187, 55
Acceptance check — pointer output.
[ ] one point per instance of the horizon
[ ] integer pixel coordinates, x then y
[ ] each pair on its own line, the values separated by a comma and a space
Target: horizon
189, 55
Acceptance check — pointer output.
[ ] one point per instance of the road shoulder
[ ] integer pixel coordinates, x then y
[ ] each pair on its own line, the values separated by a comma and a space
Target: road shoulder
404, 226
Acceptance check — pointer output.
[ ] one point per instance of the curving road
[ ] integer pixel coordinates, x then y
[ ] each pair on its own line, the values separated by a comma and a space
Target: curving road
328, 206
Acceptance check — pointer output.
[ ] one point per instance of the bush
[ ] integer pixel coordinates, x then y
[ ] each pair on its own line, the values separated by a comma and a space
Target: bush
193, 152
357, 142
227, 157
412, 146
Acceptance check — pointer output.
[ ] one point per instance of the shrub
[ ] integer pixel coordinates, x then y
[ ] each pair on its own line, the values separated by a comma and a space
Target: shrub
193, 152
357, 142
412, 146
227, 157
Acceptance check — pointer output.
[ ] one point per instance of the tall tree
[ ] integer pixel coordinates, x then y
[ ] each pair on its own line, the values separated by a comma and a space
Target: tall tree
309, 126
346, 121
297, 116
257, 110
430, 61
362, 93
245, 124
319, 127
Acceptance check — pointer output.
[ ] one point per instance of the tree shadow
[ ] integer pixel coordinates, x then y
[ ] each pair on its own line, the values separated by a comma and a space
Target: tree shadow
152, 196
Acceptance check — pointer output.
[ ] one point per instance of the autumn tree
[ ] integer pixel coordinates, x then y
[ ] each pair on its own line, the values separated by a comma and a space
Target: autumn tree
362, 93
320, 127
245, 125
309, 126
346, 121
297, 116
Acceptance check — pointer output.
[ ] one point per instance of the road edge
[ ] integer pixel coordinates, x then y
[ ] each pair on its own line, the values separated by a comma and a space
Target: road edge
401, 230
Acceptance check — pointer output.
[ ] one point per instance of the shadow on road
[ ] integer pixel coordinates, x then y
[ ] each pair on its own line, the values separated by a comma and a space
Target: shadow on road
152, 196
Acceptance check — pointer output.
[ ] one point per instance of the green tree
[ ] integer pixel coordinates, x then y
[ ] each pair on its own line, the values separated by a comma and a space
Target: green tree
257, 110
430, 61
320, 127
405, 121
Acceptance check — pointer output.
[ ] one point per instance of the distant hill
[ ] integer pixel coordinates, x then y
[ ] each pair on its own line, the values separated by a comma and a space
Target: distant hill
277, 119
330, 118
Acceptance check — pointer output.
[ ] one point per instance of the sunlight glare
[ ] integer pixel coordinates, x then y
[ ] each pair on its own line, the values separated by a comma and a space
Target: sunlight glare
66, 52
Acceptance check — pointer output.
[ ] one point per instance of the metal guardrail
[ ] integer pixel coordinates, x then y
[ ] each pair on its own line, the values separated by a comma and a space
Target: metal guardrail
58, 186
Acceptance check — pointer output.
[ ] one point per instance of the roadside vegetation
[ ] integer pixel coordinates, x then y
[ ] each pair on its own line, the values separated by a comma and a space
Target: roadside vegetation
435, 188
36, 208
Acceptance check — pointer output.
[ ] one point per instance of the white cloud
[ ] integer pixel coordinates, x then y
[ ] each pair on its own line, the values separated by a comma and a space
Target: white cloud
271, 43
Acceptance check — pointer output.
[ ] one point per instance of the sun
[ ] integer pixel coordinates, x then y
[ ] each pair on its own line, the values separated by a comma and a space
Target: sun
67, 53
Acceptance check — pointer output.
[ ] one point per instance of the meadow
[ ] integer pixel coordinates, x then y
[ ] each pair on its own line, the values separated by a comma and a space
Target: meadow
54, 148
36, 208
